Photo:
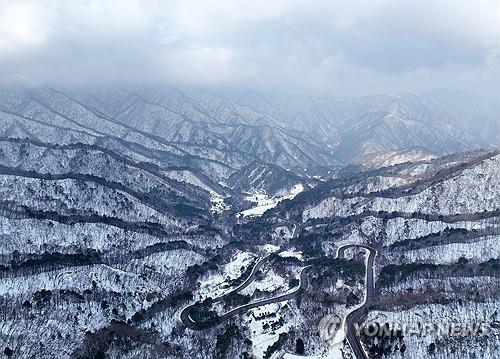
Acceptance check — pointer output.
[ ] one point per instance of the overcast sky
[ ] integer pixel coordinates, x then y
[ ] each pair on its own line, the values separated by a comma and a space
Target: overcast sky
345, 48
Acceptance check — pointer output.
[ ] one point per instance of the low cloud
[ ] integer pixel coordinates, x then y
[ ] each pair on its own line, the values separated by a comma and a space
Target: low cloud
346, 48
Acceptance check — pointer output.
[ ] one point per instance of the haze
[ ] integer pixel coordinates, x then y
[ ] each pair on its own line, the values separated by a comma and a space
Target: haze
343, 48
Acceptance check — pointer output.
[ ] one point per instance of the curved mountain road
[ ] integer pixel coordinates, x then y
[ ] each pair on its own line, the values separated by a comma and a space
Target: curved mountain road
357, 316
302, 286
354, 317
186, 319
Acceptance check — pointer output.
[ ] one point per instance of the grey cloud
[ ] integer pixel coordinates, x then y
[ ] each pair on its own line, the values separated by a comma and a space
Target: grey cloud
341, 47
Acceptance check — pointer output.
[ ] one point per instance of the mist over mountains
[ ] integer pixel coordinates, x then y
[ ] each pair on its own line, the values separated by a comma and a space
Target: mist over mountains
290, 131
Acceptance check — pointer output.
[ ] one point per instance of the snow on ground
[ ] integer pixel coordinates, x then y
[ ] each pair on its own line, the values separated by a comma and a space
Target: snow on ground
188, 177
269, 283
78, 279
260, 322
458, 194
399, 229
171, 263
264, 202
262, 337
331, 352
203, 242
339, 284
415, 170
256, 319
291, 253
217, 284
392, 158
282, 232
218, 204
375, 184
134, 289
450, 285
298, 188
355, 237
270, 248
340, 335
471, 346
477, 251
71, 323
28, 235
162, 322
329, 347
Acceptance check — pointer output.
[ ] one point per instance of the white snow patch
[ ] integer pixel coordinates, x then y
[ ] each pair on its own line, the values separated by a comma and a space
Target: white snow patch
467, 312
218, 205
477, 251
332, 352
291, 253
270, 248
269, 283
339, 283
216, 285
265, 202
263, 338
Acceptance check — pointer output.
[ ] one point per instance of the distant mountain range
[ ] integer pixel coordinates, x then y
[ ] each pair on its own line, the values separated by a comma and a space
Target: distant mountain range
442, 122
218, 136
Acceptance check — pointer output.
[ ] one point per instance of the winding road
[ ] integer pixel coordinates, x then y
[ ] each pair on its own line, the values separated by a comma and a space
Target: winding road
286, 296
185, 313
186, 319
356, 316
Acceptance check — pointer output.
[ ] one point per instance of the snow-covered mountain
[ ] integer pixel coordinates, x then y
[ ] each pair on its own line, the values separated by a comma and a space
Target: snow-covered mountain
435, 225
390, 158
442, 122
272, 179
219, 135
165, 126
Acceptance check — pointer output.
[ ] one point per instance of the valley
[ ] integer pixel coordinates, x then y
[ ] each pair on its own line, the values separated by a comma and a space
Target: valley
163, 222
